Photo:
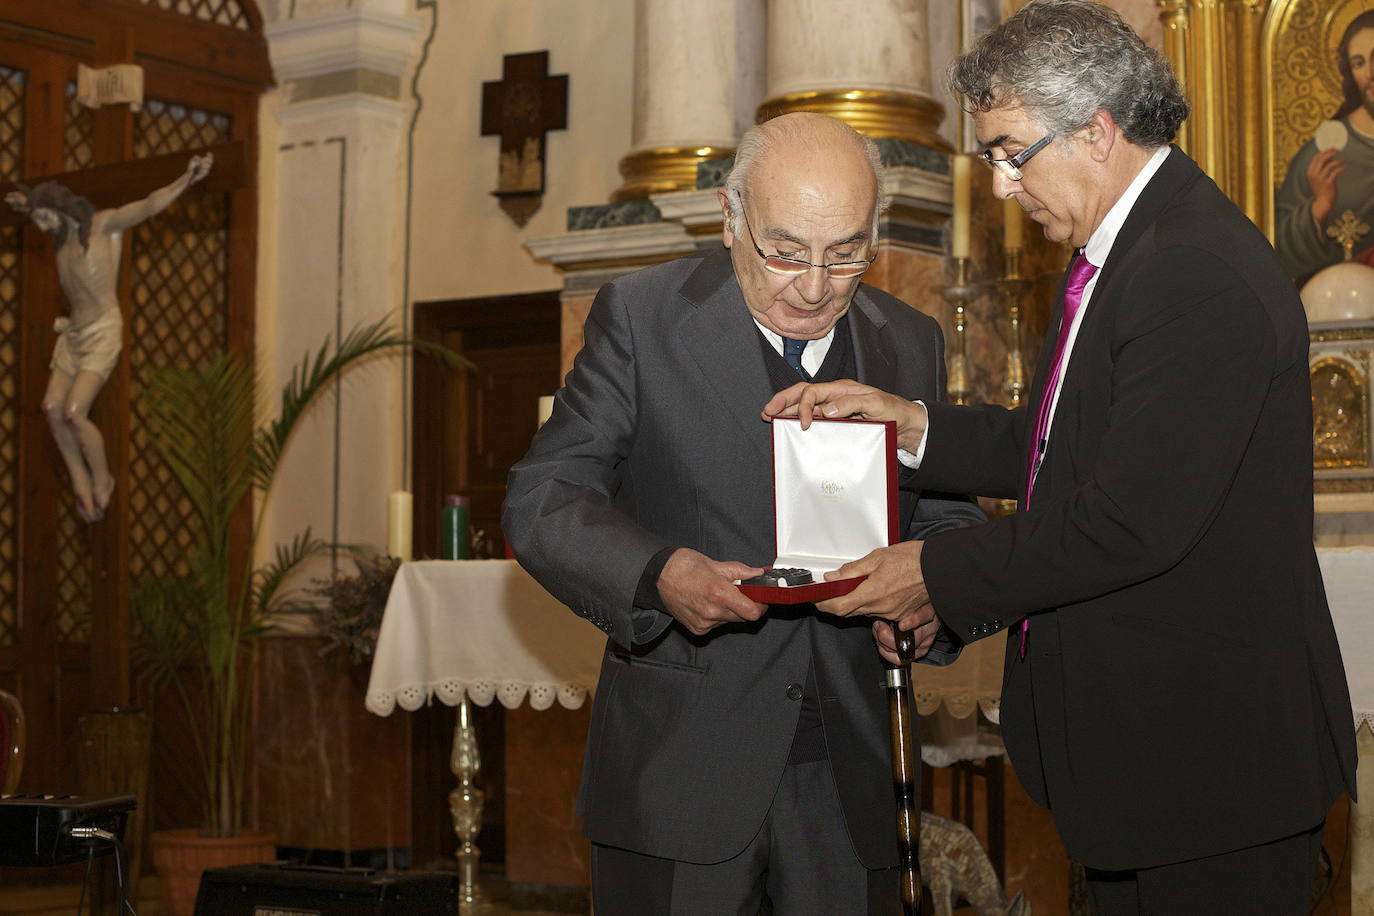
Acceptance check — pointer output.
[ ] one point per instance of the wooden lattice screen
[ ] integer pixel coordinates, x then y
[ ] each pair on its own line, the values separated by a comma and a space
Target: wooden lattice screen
179, 291
224, 12
186, 294
12, 85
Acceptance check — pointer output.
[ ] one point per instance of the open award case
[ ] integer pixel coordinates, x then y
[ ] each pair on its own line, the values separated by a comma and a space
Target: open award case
834, 500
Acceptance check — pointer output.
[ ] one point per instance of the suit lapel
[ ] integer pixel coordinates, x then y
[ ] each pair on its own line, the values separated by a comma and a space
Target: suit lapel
723, 341
1176, 172
875, 359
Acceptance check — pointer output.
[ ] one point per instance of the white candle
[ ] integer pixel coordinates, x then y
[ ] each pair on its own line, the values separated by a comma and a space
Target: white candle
545, 408
399, 507
960, 178
1012, 224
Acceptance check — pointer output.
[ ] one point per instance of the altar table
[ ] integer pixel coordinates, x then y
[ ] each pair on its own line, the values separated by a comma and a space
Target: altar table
1348, 573
486, 629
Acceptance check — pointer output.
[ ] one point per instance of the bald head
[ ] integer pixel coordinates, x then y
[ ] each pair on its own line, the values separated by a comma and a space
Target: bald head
806, 140
803, 198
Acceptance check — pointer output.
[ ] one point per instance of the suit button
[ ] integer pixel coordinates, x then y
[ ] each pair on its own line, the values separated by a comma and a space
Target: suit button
973, 630
794, 691
996, 624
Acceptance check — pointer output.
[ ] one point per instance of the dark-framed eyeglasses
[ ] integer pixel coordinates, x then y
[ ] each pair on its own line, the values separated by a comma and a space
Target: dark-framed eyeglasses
1011, 166
795, 267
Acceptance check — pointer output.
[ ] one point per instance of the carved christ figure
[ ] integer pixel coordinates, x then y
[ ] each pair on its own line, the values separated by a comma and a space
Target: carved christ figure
89, 339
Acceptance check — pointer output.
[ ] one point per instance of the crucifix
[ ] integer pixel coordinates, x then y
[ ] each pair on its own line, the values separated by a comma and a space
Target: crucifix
88, 253
521, 107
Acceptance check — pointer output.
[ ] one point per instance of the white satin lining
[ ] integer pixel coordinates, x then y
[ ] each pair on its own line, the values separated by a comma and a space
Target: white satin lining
829, 491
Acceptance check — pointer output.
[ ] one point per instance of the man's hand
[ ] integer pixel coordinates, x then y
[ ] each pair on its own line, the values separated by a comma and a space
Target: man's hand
18, 200
1321, 178
923, 621
894, 588
846, 398
700, 592
199, 167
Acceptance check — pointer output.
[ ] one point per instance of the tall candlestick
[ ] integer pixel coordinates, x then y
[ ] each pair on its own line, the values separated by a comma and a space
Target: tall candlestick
398, 524
1012, 224
959, 294
961, 179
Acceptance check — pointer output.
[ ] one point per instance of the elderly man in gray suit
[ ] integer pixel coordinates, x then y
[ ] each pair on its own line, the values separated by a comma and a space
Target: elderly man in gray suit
738, 756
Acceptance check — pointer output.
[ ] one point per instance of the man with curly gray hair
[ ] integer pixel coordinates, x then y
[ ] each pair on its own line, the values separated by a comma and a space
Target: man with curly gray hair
1174, 692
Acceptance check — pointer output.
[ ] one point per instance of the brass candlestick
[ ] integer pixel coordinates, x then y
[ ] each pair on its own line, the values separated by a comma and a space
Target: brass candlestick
1012, 287
959, 294
465, 805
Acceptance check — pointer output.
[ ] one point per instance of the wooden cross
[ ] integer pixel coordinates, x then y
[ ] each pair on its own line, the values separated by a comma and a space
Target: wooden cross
120, 182
521, 107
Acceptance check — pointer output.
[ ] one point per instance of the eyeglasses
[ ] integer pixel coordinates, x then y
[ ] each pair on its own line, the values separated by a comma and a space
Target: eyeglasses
1011, 167
795, 267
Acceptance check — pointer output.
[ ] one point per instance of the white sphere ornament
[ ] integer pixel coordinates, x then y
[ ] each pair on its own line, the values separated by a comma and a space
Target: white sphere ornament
1341, 293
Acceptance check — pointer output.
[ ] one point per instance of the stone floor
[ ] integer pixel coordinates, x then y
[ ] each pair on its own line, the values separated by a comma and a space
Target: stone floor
62, 900
1036, 864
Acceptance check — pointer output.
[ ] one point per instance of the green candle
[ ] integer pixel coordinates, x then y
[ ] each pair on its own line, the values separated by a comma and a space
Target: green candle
453, 529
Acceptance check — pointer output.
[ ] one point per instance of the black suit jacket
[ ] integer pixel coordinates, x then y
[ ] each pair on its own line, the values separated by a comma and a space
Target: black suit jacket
656, 441
1183, 693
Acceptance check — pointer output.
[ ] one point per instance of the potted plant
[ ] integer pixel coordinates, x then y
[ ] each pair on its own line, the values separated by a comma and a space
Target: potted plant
347, 609
194, 630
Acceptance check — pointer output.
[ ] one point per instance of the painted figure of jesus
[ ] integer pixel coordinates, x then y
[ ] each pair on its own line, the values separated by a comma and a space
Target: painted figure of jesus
90, 338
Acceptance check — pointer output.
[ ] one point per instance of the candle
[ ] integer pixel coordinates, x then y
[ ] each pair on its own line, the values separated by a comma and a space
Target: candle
398, 524
1012, 224
453, 529
960, 178
545, 408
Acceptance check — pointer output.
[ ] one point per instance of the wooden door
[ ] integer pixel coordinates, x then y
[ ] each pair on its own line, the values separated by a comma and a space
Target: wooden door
469, 428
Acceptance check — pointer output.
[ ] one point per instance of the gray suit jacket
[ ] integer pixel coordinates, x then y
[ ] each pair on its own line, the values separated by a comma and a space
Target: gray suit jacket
656, 441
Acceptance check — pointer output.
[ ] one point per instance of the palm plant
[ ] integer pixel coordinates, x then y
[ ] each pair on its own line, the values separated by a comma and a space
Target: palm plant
193, 629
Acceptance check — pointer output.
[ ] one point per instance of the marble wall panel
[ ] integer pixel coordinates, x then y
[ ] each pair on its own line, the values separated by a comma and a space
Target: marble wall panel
329, 775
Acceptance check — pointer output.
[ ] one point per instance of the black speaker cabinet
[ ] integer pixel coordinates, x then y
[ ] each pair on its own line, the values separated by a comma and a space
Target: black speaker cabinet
295, 890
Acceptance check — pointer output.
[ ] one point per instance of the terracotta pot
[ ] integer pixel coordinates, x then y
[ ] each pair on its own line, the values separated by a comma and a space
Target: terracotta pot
181, 855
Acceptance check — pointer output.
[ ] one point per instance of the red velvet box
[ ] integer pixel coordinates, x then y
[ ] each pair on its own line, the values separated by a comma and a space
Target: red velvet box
834, 500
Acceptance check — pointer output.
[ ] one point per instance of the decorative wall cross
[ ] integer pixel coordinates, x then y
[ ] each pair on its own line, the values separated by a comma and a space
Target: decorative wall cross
521, 108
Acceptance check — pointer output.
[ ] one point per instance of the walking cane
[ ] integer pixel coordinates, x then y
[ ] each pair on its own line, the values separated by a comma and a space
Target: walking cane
904, 764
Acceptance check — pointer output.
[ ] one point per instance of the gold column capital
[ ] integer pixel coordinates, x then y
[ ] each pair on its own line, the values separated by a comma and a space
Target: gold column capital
872, 112
665, 168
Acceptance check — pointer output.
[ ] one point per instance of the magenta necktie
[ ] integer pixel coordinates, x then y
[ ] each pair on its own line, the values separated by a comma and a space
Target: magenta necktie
1080, 272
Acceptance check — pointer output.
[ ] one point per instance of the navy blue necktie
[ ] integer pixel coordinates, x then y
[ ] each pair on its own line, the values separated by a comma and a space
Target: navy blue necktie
791, 354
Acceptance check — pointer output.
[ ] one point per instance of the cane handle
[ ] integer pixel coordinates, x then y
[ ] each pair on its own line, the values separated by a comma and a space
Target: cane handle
906, 643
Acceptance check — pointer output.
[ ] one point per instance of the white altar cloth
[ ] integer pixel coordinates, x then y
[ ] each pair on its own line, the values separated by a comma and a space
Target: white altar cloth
1348, 573
487, 629
483, 627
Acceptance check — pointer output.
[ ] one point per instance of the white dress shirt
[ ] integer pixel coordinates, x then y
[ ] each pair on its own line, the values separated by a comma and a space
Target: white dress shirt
812, 356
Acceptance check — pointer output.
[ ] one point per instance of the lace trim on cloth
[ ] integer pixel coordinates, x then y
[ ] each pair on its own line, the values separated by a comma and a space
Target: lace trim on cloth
934, 756
960, 705
1364, 717
411, 697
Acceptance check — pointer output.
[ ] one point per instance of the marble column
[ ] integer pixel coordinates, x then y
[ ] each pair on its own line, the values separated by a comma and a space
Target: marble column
869, 66
698, 76
333, 206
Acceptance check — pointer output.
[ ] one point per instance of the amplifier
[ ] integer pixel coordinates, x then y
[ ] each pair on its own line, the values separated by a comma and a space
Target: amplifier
300, 890
41, 829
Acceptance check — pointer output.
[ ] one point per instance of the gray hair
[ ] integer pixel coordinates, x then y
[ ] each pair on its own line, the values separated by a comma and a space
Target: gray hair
799, 128
1065, 60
